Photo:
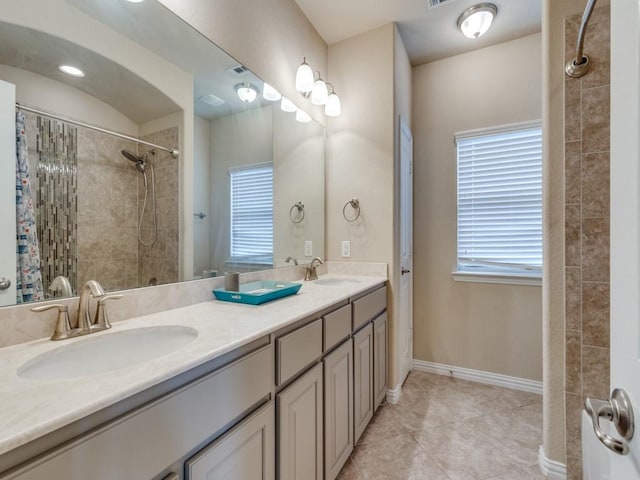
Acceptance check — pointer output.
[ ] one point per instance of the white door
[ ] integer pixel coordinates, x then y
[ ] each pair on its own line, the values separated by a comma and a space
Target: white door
7, 192
406, 250
625, 223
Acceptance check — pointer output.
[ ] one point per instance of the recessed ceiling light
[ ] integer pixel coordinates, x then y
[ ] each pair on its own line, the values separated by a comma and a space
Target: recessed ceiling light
135, 1
70, 70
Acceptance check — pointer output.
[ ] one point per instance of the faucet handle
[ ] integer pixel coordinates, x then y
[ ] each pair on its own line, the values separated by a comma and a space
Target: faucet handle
101, 321
63, 326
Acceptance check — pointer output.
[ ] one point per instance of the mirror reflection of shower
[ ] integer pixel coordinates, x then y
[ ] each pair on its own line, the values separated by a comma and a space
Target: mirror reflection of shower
142, 162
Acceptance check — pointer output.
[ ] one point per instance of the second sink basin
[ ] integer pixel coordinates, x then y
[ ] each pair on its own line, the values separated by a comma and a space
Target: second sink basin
107, 352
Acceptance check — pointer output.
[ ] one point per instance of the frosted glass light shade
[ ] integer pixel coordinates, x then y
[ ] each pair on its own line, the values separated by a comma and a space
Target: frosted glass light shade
304, 77
302, 116
246, 92
333, 108
270, 93
319, 93
476, 21
287, 105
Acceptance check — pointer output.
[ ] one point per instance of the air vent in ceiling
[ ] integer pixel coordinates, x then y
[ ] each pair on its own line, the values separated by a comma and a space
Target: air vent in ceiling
435, 3
238, 70
212, 100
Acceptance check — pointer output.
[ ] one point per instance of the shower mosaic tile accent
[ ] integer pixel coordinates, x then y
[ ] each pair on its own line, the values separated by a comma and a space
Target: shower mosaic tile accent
587, 189
56, 199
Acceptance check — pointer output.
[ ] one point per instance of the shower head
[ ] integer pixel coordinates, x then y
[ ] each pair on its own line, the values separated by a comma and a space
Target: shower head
139, 160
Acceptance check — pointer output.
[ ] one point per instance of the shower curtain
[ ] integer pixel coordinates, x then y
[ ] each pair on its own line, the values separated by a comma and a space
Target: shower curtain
29, 278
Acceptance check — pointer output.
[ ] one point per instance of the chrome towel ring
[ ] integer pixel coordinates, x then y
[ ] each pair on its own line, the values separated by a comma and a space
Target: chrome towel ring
299, 206
355, 205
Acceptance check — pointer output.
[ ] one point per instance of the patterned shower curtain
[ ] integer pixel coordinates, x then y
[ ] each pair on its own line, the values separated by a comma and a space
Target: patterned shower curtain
29, 277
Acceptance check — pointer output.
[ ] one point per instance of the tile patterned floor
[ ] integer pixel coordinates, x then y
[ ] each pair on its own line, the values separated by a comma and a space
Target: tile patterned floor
444, 428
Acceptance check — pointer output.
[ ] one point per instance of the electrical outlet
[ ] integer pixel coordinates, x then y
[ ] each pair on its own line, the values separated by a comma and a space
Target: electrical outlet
308, 248
346, 248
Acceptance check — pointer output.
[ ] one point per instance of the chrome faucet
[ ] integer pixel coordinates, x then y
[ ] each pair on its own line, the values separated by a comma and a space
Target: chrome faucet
310, 272
90, 289
291, 259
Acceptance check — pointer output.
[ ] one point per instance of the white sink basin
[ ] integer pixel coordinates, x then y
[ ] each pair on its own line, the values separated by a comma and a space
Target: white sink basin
106, 352
335, 281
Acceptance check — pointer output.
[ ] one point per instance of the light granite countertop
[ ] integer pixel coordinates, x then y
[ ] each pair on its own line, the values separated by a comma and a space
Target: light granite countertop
33, 408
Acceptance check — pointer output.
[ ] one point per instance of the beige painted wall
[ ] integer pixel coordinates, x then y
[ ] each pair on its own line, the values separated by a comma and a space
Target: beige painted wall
489, 327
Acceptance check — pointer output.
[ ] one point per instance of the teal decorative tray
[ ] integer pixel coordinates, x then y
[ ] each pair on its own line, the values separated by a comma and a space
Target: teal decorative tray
255, 293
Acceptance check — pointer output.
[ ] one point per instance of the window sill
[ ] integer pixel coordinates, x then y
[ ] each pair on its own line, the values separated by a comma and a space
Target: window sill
501, 278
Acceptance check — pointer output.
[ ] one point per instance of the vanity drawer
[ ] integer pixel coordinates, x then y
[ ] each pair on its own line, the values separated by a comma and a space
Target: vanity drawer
367, 307
297, 350
336, 326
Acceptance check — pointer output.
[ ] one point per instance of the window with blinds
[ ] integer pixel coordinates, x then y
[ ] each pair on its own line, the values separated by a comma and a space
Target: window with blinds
252, 214
500, 200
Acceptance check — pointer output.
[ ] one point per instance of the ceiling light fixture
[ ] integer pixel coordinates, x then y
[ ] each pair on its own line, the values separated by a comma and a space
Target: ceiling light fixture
304, 77
246, 92
135, 1
270, 93
70, 70
476, 21
332, 108
287, 105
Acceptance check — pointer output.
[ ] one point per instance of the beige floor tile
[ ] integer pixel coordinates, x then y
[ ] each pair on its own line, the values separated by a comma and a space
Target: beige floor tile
399, 459
349, 472
383, 426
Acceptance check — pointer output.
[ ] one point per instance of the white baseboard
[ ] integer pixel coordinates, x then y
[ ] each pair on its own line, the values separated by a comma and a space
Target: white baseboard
393, 394
550, 468
489, 378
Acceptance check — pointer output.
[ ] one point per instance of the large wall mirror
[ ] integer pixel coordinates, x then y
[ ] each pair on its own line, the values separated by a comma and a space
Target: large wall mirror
245, 192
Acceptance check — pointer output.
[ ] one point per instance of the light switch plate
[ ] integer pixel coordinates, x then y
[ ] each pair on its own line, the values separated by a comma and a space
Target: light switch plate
308, 248
346, 248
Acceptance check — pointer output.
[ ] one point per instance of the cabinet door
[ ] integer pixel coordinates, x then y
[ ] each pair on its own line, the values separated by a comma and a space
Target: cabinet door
379, 359
299, 409
245, 453
362, 379
338, 409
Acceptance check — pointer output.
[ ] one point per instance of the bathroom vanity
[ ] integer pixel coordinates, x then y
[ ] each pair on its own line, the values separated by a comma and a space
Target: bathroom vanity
283, 390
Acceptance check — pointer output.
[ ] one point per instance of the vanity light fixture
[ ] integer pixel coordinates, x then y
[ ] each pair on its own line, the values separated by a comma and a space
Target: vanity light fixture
270, 93
302, 116
332, 108
246, 92
71, 70
476, 21
319, 93
287, 105
304, 78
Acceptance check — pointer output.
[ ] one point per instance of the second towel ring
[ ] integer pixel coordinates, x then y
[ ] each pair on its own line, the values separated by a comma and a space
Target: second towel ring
355, 204
300, 217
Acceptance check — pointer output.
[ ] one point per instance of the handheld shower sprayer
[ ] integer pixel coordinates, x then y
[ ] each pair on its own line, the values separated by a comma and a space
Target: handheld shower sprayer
140, 162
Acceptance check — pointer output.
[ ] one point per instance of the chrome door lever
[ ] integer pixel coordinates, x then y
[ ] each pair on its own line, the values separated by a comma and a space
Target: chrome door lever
5, 283
617, 410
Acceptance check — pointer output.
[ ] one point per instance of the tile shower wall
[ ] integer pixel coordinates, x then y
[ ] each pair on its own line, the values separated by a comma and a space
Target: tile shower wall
586, 229
93, 203
52, 149
158, 263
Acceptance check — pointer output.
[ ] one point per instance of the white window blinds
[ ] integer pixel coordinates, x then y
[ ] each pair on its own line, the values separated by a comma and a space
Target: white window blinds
500, 199
252, 213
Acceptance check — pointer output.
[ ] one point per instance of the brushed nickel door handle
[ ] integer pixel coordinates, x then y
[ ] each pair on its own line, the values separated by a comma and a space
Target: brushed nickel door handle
617, 410
405, 270
5, 283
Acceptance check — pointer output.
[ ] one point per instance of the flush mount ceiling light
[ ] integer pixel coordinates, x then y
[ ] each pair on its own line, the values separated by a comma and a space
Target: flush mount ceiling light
270, 93
476, 21
246, 92
304, 77
332, 108
70, 70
